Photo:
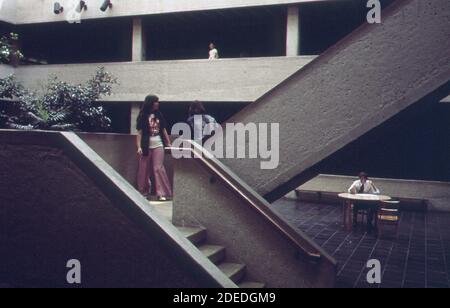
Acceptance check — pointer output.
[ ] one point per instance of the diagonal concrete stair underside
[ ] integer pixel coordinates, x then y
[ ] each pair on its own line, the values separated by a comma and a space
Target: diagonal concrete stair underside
371, 76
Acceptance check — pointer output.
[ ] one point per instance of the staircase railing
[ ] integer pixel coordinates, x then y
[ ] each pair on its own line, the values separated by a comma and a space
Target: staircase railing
305, 245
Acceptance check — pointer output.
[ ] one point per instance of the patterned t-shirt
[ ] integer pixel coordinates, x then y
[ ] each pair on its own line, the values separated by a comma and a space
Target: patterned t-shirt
154, 132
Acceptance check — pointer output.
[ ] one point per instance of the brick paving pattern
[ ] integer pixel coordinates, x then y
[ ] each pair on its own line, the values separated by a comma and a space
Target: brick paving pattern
418, 258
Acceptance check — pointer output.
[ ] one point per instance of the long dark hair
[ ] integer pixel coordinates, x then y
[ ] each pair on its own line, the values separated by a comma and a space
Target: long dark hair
147, 106
196, 108
147, 110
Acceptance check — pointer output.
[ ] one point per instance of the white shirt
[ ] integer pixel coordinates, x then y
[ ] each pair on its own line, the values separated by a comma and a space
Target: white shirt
156, 142
369, 187
213, 54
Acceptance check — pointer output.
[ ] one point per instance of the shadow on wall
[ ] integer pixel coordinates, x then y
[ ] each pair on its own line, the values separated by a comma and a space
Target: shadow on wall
48, 218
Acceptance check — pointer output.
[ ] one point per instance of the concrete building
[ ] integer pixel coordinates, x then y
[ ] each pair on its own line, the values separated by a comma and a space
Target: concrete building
161, 47
348, 96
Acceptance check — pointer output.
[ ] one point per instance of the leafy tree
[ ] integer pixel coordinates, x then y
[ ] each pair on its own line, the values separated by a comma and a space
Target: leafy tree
8, 49
62, 106
11, 88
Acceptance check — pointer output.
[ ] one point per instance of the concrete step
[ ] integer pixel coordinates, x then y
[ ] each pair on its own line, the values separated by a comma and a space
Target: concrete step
234, 271
251, 285
193, 234
215, 253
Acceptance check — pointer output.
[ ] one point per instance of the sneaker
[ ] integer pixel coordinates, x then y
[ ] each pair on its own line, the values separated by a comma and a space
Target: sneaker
162, 198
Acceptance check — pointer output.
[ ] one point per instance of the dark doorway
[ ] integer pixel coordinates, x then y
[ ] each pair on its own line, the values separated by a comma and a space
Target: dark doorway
324, 23
416, 146
119, 113
253, 32
91, 41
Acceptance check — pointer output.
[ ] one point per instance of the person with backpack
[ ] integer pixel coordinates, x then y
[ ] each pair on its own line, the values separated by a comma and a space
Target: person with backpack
198, 120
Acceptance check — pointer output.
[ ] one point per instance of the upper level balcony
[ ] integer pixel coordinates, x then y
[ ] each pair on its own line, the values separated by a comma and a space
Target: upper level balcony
41, 11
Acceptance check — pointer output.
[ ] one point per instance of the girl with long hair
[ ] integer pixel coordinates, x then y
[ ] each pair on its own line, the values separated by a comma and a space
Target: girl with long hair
151, 139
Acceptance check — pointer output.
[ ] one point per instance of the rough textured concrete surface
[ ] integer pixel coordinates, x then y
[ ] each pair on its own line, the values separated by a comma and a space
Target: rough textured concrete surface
249, 237
56, 205
119, 151
6, 70
138, 51
225, 80
367, 78
293, 31
8, 11
42, 10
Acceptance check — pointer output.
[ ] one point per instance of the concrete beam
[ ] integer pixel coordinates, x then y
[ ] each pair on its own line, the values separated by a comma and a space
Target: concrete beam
39, 11
293, 31
225, 80
355, 86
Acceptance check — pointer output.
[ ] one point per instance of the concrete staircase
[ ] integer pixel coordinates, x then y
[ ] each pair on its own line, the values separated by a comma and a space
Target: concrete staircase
217, 255
372, 76
198, 236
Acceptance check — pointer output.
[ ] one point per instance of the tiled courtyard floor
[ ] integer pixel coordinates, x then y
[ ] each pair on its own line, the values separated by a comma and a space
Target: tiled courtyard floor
418, 258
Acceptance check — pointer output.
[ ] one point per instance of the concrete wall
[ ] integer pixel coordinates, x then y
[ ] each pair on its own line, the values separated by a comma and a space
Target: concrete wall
8, 11
200, 199
364, 80
119, 151
437, 193
42, 10
60, 201
6, 70
226, 80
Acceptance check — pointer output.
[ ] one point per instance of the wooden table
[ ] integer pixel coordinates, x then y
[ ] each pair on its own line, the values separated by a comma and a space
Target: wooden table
348, 200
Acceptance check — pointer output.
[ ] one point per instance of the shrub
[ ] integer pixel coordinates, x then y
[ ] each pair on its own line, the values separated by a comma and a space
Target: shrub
8, 50
62, 106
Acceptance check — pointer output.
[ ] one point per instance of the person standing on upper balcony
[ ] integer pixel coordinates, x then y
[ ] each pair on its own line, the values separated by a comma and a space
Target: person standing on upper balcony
213, 52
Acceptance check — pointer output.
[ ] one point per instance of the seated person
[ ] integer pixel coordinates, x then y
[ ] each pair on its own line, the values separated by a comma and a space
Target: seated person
363, 186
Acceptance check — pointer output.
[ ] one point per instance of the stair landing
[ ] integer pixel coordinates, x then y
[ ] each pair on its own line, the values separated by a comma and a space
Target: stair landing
165, 208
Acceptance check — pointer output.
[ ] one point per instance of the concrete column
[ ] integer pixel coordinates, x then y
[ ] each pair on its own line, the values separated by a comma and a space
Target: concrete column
138, 52
293, 31
135, 108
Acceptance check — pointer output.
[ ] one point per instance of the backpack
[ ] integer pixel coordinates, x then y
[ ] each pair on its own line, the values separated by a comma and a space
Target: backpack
206, 120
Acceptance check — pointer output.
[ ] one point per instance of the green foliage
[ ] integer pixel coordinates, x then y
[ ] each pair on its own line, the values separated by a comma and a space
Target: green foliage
10, 88
8, 49
62, 106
